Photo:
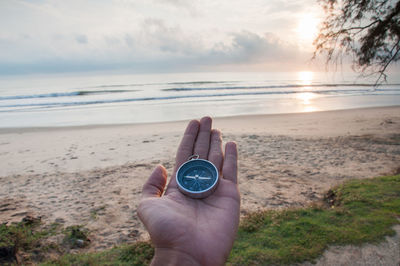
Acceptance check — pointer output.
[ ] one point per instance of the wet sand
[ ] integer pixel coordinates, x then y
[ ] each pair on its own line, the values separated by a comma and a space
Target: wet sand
93, 175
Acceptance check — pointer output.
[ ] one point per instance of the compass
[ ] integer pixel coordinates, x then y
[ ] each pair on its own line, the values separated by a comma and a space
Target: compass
197, 178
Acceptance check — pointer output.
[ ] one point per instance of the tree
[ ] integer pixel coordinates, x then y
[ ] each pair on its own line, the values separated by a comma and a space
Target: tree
367, 30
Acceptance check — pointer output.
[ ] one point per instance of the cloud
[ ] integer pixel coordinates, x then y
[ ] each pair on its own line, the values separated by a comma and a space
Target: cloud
155, 47
146, 35
248, 48
158, 36
81, 38
187, 6
177, 3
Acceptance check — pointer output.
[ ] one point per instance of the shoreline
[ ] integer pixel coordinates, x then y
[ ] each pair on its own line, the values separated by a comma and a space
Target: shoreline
74, 149
8, 130
93, 176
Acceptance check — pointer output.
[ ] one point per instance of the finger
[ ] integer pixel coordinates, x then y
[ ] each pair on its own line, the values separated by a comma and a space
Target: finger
215, 154
229, 170
154, 186
203, 138
185, 148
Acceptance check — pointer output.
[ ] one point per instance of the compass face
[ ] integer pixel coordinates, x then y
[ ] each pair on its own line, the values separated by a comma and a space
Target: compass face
197, 178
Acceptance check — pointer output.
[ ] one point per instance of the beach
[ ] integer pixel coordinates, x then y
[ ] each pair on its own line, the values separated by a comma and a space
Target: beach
92, 175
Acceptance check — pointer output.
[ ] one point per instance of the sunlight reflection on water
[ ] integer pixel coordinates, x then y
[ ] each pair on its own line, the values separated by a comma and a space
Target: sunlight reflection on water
305, 99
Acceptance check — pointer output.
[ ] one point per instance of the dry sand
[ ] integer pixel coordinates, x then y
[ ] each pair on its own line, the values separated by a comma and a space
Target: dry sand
93, 175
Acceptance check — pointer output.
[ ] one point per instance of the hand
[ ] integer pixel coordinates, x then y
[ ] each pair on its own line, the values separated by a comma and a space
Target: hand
186, 231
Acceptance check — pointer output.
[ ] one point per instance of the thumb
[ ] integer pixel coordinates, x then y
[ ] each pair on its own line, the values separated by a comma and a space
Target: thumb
154, 186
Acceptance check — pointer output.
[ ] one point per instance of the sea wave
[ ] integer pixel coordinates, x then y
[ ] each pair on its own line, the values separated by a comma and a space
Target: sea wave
63, 94
288, 86
347, 92
200, 82
86, 92
160, 84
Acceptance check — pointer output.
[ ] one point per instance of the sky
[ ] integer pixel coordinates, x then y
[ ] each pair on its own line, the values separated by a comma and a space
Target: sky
43, 36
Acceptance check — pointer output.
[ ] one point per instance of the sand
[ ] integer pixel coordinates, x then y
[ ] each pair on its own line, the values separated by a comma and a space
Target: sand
92, 175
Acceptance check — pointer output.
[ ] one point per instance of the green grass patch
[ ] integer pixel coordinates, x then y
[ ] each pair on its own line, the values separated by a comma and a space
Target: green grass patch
94, 213
139, 253
356, 212
25, 237
76, 236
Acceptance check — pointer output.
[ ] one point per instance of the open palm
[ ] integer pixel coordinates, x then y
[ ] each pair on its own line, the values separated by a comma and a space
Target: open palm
193, 231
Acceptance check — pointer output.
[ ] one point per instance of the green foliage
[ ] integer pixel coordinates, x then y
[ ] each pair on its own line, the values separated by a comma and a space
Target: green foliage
356, 212
94, 213
76, 236
139, 253
367, 30
23, 236
363, 211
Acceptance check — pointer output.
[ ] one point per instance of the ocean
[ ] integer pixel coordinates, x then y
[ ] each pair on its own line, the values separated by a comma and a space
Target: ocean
102, 99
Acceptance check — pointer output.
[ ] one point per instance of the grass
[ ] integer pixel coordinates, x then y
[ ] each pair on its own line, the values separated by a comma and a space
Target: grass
29, 239
94, 213
24, 237
76, 236
139, 253
356, 212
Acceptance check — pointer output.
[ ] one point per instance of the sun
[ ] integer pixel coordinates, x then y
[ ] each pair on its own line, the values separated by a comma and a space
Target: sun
307, 28
305, 77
